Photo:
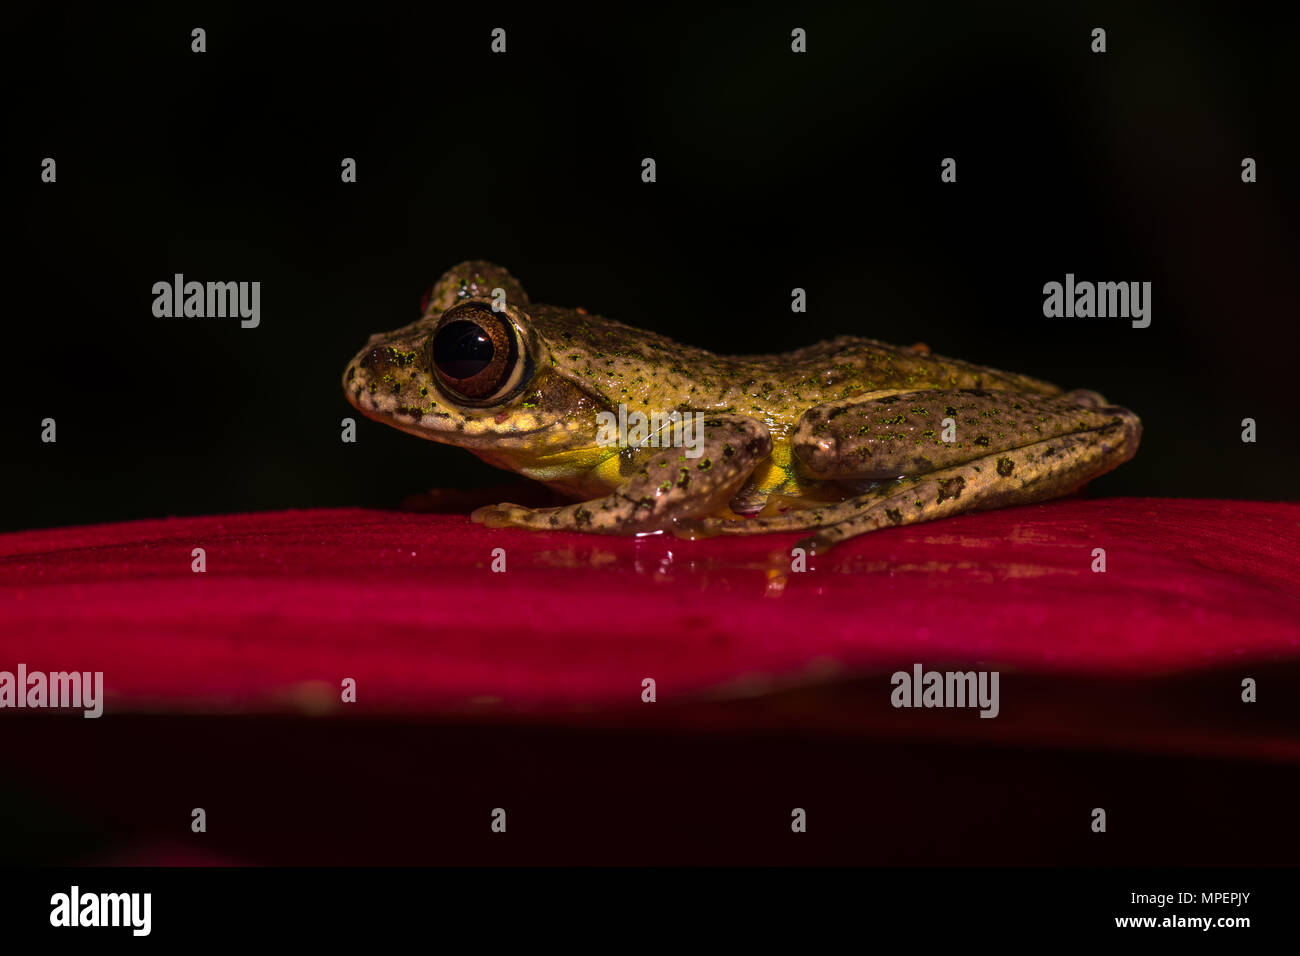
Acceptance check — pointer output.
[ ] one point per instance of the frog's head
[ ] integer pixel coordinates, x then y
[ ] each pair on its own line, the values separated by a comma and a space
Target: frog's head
474, 371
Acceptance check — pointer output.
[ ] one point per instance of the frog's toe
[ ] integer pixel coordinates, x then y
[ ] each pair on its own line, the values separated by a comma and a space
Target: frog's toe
692, 529
818, 543
504, 515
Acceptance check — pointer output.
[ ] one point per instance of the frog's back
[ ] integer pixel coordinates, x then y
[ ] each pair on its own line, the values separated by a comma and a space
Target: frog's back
650, 371
783, 385
871, 365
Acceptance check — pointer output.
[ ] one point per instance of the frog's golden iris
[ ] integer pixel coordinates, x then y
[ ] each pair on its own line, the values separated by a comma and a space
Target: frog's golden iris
842, 437
475, 355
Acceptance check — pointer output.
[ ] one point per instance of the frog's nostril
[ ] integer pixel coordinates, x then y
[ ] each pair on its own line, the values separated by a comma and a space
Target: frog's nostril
378, 358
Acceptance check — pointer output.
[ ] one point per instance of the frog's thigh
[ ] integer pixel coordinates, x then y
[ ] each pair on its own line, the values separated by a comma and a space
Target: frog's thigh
662, 484
1030, 449
904, 434
1017, 476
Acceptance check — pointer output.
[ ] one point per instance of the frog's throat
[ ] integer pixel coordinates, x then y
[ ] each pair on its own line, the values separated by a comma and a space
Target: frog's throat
587, 469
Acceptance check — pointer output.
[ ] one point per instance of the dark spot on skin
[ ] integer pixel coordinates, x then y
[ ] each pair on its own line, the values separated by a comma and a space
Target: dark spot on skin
982, 441
950, 412
951, 488
554, 520
704, 465
1005, 467
582, 517
894, 515
352, 371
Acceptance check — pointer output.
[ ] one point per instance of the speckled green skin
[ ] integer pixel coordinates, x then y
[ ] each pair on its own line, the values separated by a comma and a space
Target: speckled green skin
844, 437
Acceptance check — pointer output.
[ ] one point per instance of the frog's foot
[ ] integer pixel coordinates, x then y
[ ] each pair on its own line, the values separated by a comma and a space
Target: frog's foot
1008, 448
778, 503
504, 515
665, 486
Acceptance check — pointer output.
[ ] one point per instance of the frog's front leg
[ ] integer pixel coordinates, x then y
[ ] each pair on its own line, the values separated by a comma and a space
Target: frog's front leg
661, 484
948, 452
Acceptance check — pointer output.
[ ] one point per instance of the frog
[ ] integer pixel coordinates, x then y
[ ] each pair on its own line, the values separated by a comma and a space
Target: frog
833, 440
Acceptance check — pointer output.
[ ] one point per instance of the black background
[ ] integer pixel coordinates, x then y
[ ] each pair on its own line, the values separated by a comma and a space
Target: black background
775, 170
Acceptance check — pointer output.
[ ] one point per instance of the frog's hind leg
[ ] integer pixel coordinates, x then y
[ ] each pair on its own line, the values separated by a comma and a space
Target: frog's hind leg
1007, 448
661, 485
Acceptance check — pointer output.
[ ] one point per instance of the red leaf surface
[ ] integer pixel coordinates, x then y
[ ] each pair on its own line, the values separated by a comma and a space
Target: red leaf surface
544, 663
406, 604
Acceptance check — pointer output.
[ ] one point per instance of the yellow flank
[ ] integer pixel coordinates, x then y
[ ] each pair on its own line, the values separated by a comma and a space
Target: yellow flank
590, 464
777, 473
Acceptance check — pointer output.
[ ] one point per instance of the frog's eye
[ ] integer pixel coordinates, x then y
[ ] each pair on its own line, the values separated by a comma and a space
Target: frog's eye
475, 354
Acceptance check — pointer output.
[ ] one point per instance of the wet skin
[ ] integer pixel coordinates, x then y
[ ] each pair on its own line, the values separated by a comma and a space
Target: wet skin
839, 438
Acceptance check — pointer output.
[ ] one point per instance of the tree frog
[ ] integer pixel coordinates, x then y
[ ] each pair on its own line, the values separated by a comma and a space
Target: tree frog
837, 439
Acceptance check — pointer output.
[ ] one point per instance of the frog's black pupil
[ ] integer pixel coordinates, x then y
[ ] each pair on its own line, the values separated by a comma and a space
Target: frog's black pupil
461, 350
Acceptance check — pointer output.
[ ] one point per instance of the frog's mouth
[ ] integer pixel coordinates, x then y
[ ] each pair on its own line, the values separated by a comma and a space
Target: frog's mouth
463, 439
463, 429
